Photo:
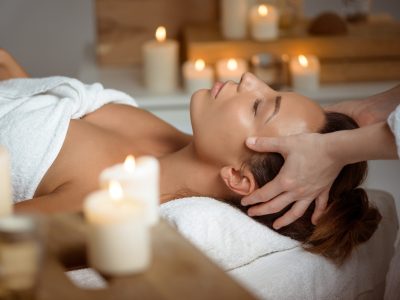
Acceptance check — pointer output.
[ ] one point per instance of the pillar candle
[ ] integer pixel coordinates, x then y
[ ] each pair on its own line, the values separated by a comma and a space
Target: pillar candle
264, 22
6, 203
231, 69
118, 236
161, 63
304, 70
197, 75
139, 179
234, 18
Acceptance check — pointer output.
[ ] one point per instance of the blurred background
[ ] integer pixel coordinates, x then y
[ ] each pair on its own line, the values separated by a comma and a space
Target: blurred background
50, 37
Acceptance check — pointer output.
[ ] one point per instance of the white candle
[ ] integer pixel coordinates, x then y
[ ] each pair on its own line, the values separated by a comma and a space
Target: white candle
6, 203
139, 179
234, 18
264, 22
197, 75
231, 69
161, 63
118, 237
304, 70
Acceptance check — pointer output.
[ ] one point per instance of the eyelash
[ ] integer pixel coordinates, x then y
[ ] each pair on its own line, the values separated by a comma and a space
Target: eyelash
255, 106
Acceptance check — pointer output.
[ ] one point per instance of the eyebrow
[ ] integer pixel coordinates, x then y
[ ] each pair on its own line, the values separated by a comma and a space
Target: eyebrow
278, 100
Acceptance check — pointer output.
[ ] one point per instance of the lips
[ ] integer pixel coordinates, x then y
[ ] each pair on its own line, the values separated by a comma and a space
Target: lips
216, 89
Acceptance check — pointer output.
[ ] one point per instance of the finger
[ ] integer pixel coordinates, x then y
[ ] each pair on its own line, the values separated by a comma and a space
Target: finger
320, 206
293, 214
273, 206
263, 144
264, 194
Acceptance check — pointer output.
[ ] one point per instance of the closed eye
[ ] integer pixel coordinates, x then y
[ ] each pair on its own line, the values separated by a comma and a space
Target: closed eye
255, 106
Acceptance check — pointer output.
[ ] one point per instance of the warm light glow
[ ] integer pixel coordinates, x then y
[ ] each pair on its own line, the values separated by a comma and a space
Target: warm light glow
232, 64
161, 34
303, 61
115, 190
199, 65
130, 164
262, 10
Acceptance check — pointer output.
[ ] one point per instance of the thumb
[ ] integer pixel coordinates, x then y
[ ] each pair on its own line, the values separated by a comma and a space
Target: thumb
266, 144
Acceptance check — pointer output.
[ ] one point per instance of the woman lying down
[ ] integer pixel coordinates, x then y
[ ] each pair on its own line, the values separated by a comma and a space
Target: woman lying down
89, 132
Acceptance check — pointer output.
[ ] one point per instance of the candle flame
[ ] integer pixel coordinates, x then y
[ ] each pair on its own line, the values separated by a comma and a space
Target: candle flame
161, 34
262, 10
130, 164
199, 65
232, 64
115, 190
303, 61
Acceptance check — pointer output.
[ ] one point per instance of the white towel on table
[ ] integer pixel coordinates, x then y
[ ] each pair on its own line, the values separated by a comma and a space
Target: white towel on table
227, 235
34, 119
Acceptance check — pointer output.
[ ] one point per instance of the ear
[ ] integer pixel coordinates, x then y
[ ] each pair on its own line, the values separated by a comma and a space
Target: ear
241, 182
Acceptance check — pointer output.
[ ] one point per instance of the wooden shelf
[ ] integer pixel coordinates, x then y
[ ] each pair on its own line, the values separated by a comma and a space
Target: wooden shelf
370, 51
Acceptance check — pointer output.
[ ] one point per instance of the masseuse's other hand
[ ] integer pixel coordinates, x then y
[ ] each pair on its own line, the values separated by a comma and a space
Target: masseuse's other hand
307, 175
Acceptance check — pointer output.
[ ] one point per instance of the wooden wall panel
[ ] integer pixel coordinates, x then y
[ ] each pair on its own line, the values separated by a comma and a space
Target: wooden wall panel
124, 25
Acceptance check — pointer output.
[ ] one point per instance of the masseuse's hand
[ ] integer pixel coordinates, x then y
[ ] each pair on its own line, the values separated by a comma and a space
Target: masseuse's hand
307, 175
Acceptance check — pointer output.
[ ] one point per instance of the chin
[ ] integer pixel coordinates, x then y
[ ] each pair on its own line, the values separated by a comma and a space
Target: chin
198, 103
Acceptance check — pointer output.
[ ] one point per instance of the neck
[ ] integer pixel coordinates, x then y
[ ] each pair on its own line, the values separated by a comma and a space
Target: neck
183, 174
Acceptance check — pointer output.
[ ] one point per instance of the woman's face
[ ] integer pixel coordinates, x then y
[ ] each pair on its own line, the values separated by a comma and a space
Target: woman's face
223, 117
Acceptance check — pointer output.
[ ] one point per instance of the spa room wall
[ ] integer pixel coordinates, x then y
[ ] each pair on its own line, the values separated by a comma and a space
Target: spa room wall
50, 37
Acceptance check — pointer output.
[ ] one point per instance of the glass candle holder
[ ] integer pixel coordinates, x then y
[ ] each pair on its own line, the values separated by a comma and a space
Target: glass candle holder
20, 256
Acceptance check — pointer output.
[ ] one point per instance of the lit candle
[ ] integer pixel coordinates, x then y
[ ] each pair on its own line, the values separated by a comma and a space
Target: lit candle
231, 69
161, 63
197, 75
264, 22
234, 18
118, 237
6, 203
304, 70
139, 179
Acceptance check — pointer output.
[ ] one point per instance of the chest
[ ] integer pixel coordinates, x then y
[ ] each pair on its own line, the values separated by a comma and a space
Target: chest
104, 139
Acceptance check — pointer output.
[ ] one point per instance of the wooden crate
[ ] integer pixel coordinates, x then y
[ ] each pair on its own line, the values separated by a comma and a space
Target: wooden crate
369, 52
124, 25
178, 269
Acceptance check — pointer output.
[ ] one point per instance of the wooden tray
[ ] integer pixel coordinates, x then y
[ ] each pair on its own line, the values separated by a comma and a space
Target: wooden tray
178, 269
369, 52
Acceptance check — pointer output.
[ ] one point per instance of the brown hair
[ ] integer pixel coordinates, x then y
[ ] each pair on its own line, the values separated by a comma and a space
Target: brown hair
349, 220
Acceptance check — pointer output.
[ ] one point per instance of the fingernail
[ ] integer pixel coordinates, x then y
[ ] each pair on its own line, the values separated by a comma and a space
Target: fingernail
276, 227
251, 141
250, 213
243, 202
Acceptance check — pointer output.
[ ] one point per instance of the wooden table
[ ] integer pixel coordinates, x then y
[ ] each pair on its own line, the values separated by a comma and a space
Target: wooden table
178, 269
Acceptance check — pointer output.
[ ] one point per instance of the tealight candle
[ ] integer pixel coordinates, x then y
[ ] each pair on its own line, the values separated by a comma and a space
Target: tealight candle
197, 75
118, 237
234, 18
264, 21
304, 72
6, 203
161, 63
139, 179
231, 69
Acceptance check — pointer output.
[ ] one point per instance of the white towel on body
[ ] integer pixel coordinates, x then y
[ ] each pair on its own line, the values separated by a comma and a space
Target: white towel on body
227, 235
34, 119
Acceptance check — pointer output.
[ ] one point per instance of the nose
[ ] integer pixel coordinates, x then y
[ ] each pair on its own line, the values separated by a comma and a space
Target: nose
248, 81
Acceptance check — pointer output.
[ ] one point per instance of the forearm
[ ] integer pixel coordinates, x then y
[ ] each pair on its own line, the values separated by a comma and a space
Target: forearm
366, 143
9, 67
